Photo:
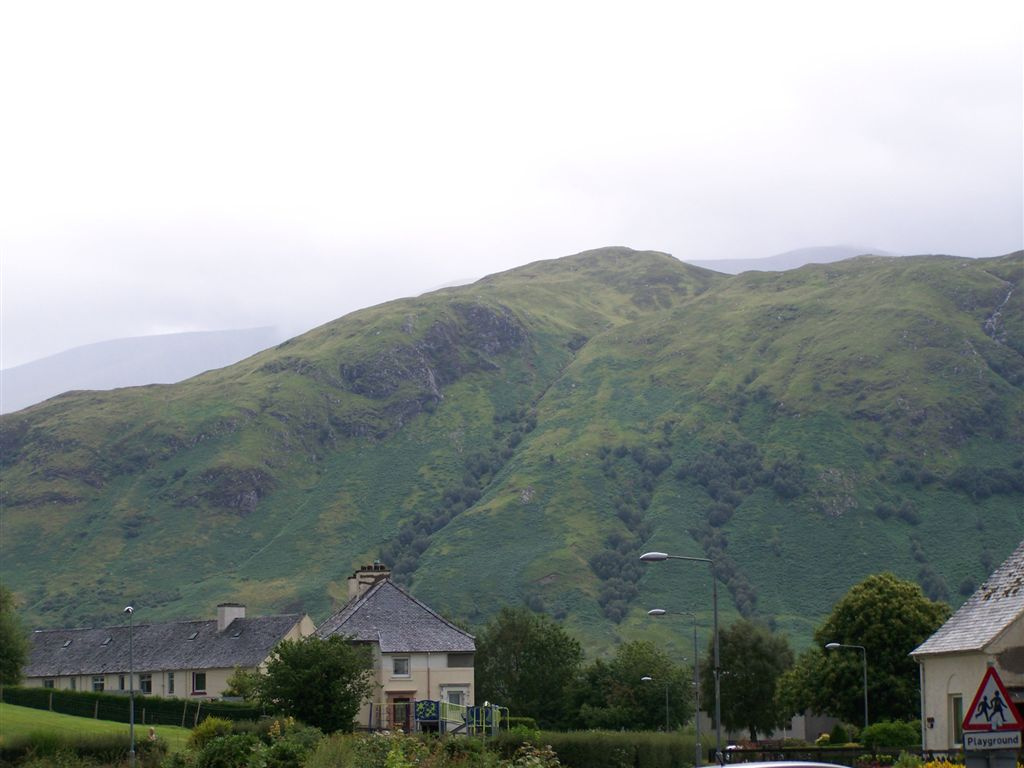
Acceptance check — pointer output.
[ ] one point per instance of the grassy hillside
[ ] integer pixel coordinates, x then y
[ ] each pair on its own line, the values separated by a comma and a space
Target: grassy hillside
524, 438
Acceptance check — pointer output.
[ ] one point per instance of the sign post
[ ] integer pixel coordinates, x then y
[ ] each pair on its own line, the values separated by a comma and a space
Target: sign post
992, 726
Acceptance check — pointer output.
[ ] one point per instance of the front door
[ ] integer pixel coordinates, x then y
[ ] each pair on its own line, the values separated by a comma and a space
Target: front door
400, 712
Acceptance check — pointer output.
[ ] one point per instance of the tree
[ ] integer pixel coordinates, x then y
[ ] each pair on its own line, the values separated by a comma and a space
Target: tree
244, 684
752, 660
13, 640
527, 662
612, 694
320, 682
889, 617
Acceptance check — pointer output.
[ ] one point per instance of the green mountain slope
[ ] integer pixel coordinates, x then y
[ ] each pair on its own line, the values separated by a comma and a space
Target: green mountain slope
524, 438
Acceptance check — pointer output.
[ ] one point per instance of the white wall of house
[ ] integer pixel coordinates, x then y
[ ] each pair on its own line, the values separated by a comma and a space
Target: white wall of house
417, 677
950, 681
177, 683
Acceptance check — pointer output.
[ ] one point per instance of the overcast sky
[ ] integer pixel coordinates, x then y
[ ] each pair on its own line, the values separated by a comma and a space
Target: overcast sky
206, 165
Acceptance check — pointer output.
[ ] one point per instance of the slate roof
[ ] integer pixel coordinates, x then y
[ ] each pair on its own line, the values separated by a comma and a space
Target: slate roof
389, 615
987, 613
245, 642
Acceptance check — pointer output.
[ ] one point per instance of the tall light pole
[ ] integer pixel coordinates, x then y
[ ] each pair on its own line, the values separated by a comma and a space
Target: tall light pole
657, 557
131, 688
696, 676
864, 658
648, 679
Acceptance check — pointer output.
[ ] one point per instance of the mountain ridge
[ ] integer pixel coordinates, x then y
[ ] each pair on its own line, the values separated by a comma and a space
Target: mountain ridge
524, 437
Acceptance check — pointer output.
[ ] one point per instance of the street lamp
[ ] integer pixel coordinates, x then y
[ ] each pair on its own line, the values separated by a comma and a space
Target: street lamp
657, 557
864, 658
131, 689
649, 679
696, 676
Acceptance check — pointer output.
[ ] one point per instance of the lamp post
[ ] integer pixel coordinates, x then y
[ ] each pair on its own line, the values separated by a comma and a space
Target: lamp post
696, 677
864, 658
131, 689
649, 679
657, 557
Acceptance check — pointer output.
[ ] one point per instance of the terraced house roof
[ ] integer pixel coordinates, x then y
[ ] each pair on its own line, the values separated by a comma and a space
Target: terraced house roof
389, 615
245, 642
987, 613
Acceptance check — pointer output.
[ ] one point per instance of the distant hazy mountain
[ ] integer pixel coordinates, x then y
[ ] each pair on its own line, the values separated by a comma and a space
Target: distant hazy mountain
780, 262
163, 359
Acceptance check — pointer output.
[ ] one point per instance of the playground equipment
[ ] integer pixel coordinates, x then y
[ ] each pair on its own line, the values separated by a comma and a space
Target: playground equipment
437, 716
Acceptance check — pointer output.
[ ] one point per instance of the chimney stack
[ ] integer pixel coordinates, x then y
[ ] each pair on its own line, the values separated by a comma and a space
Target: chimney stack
366, 577
228, 612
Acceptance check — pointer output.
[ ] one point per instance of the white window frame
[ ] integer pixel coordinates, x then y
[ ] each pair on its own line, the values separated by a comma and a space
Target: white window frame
146, 683
395, 660
956, 715
99, 682
461, 690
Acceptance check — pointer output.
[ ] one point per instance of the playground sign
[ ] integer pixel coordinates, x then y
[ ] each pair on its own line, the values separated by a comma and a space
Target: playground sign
992, 722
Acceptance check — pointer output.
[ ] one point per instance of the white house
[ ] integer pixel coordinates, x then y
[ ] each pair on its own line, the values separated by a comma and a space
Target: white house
987, 630
423, 662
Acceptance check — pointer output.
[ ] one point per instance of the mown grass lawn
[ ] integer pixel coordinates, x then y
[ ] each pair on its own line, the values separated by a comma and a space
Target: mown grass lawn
21, 721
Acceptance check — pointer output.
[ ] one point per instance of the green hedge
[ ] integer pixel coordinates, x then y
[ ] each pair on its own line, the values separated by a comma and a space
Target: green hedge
107, 749
605, 749
149, 710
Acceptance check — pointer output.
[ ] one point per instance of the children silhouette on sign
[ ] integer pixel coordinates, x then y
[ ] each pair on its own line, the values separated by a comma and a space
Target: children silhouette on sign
998, 708
989, 709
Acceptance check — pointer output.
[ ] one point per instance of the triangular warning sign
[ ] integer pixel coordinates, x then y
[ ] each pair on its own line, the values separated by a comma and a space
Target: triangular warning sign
992, 709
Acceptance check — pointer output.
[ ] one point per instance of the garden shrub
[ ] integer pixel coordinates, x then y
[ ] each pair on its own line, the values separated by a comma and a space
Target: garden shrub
838, 735
208, 730
234, 751
888, 734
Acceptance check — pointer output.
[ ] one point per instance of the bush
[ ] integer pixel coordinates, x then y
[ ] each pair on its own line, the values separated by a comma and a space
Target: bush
839, 735
208, 730
892, 734
235, 751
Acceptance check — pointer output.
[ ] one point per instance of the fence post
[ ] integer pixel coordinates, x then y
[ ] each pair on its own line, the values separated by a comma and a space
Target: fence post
50, 702
96, 710
184, 713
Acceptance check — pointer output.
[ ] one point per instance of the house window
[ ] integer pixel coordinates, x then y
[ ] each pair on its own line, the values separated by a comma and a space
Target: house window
198, 682
48, 683
460, 659
146, 683
97, 682
400, 666
170, 682
74, 683
120, 682
457, 696
956, 722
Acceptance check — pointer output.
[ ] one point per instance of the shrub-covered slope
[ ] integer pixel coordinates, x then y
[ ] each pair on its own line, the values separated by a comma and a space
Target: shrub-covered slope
524, 438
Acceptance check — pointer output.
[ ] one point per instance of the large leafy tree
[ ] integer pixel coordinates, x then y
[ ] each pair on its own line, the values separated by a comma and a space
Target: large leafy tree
613, 694
888, 617
320, 682
752, 660
13, 641
527, 662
